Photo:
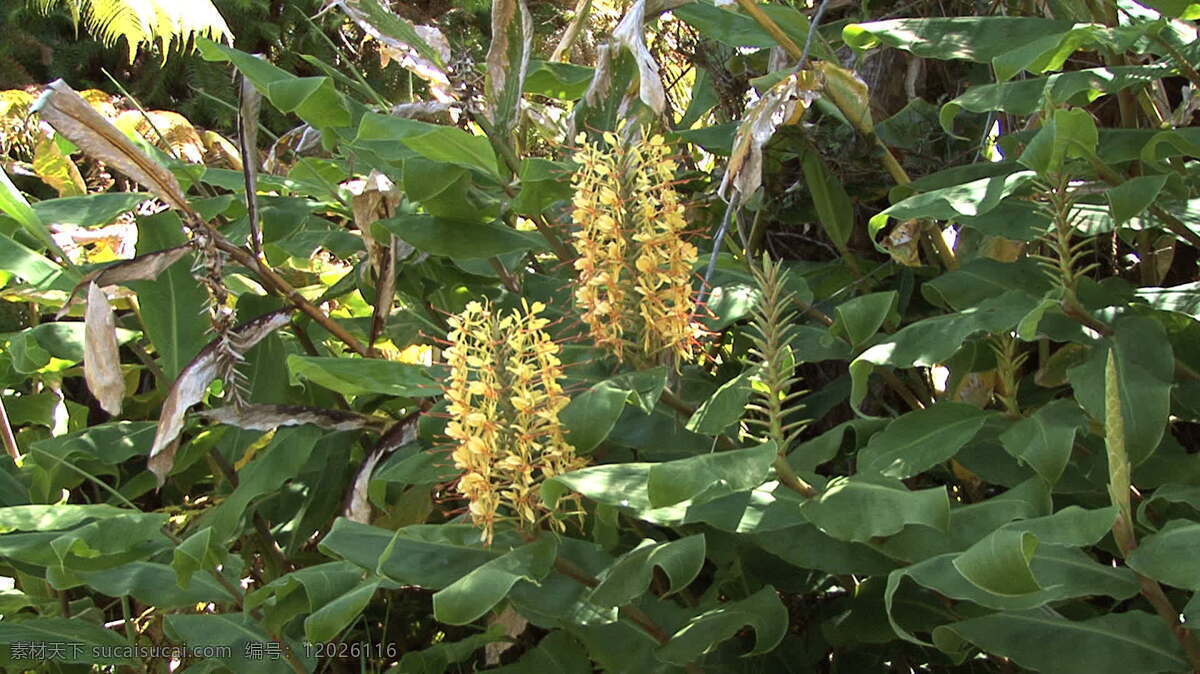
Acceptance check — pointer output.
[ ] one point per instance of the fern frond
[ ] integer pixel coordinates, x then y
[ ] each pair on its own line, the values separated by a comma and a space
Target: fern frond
144, 22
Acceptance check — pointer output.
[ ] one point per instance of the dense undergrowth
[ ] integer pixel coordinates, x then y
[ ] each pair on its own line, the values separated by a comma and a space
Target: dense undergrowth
654, 338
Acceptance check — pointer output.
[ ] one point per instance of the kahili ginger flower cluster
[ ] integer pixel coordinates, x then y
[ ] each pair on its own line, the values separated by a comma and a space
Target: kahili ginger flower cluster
635, 268
504, 394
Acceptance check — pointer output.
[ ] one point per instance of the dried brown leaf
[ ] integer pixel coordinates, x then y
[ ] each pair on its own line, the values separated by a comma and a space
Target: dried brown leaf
141, 268
193, 382
358, 504
78, 121
374, 198
101, 354
630, 34
780, 105
270, 417
514, 625
420, 49
433, 112
251, 105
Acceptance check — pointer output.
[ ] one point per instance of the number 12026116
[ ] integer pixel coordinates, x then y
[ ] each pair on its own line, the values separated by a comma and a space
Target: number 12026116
350, 649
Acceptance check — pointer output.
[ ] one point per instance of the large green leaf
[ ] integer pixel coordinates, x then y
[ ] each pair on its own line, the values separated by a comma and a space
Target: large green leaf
627, 579
645, 486
331, 618
1145, 371
1044, 439
460, 240
724, 407
1026, 96
234, 638
738, 30
34, 268
934, 340
278, 462
862, 507
984, 278
859, 319
356, 376
1168, 555
999, 564
1010, 44
701, 478
312, 99
90, 210
591, 415
829, 196
150, 583
1069, 134
1063, 572
762, 611
429, 556
16, 206
469, 597
921, 439
1117, 643
970, 199
72, 640
173, 307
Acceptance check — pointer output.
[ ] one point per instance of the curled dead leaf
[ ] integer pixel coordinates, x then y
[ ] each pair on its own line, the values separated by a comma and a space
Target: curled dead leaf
101, 354
79, 122
434, 112
269, 417
141, 268
358, 503
630, 34
422, 50
782, 104
903, 243
193, 383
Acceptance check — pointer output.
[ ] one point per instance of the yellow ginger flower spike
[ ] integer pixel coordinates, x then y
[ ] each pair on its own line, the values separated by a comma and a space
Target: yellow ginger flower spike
505, 394
635, 268
602, 291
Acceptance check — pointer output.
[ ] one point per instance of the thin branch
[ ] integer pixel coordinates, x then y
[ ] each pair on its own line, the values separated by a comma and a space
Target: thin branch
278, 284
730, 210
10, 439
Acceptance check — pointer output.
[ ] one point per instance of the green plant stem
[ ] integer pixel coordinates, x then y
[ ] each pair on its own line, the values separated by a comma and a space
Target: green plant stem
506, 277
560, 249
901, 389
760, 17
279, 285
636, 615
676, 403
1119, 487
6, 430
1173, 223
788, 478
277, 562
563, 51
160, 377
890, 163
730, 212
